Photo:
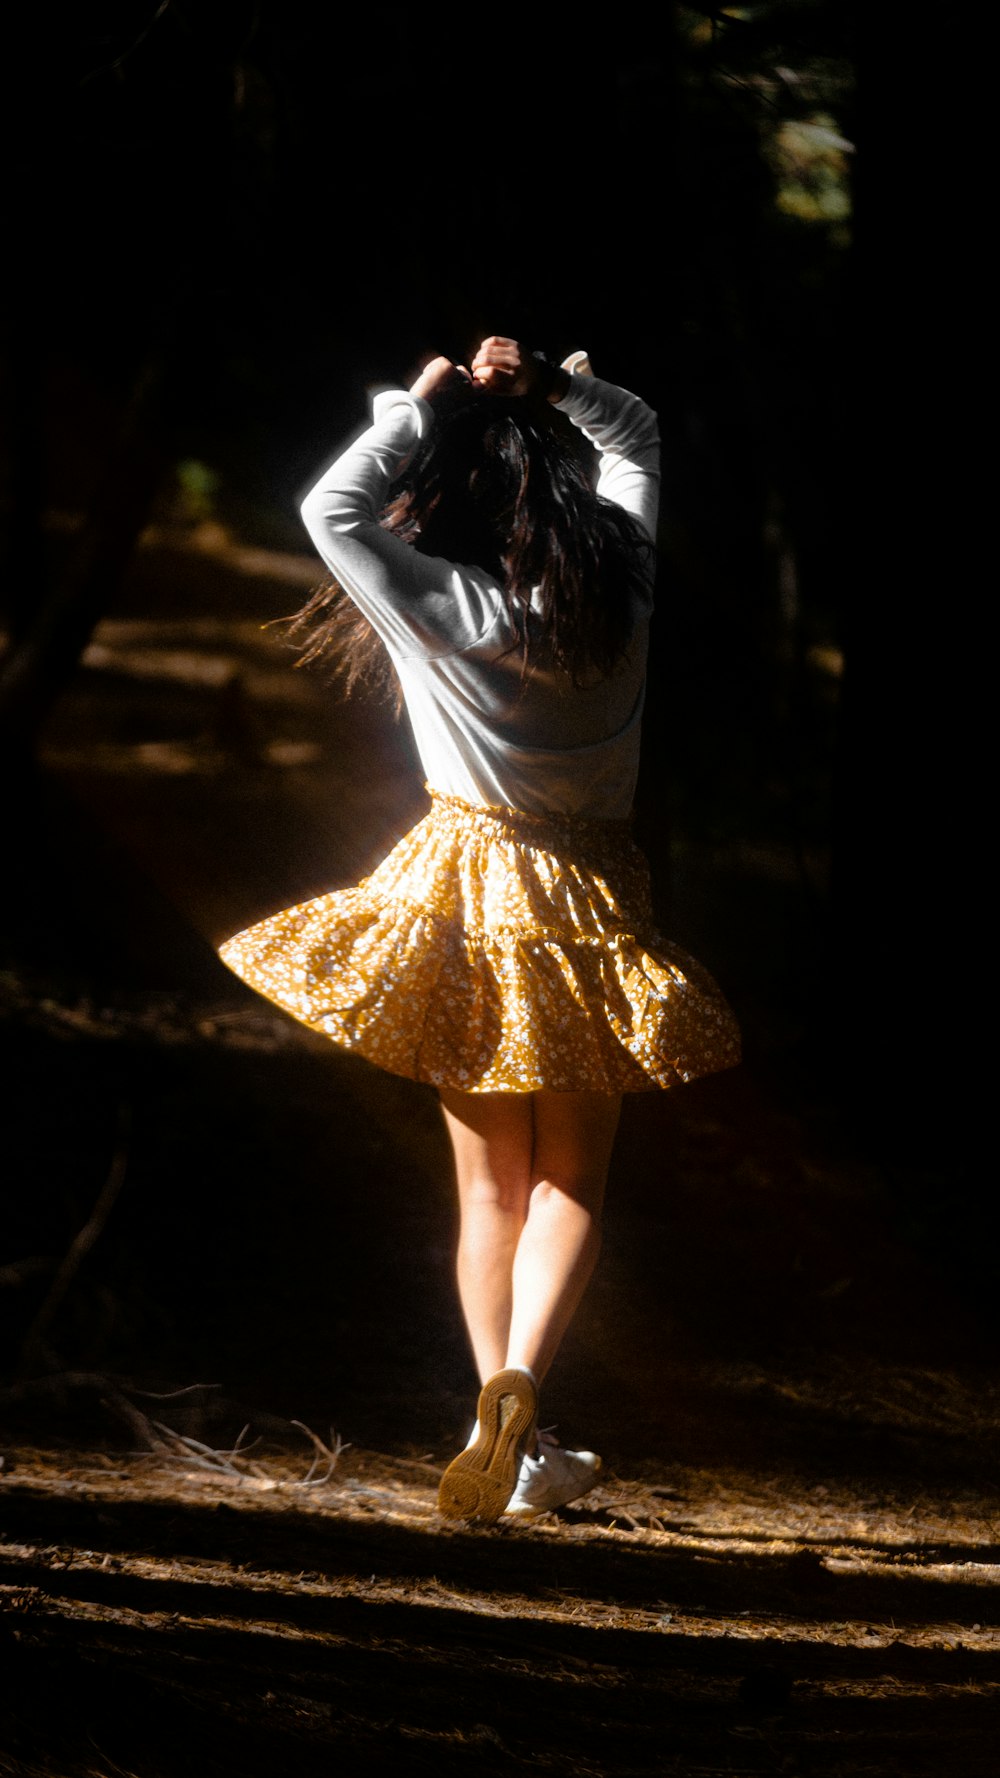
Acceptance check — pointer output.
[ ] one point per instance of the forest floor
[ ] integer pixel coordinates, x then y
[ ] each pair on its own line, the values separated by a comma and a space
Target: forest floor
223, 1242
694, 1622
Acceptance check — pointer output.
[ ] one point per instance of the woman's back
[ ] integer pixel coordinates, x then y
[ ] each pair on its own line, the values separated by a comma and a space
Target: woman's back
493, 727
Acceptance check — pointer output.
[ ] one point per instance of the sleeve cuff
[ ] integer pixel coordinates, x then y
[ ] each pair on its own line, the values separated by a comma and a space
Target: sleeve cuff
580, 374
385, 401
578, 364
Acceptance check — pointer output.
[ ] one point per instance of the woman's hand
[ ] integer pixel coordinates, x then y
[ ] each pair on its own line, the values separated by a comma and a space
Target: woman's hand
439, 374
505, 367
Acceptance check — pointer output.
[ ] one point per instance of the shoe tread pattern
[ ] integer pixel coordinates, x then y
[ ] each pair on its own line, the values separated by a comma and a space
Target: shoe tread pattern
482, 1478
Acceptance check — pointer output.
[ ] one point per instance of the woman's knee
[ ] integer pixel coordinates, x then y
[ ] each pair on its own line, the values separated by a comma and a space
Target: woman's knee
492, 1139
574, 1136
502, 1194
582, 1190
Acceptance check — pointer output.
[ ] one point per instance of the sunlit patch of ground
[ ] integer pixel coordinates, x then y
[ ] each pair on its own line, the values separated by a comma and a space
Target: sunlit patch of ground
224, 669
748, 1620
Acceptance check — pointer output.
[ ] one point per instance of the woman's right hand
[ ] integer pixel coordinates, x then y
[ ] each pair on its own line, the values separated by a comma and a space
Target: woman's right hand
505, 367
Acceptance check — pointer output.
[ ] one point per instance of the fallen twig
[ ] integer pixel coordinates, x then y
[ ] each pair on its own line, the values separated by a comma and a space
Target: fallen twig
330, 1454
159, 1443
137, 1422
110, 1393
204, 1456
12, 1276
175, 1394
85, 1239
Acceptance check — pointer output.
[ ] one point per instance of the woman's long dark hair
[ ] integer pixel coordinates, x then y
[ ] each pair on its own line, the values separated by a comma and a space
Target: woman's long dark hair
496, 487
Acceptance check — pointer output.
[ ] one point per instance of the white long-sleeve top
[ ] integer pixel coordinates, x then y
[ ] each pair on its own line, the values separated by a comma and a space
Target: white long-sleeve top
483, 732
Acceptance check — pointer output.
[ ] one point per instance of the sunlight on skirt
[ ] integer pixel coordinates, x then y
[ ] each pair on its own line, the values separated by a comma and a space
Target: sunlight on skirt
493, 951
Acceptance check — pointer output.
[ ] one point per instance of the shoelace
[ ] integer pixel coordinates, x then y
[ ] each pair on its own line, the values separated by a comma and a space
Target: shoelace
546, 1436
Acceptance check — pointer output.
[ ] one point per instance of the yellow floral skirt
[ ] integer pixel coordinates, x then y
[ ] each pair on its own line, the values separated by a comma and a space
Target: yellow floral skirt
497, 952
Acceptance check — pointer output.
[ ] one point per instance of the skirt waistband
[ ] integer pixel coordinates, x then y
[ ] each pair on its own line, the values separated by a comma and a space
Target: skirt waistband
533, 829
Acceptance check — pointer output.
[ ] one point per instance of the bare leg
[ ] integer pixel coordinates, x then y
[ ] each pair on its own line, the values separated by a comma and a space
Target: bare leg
561, 1237
492, 1135
531, 1172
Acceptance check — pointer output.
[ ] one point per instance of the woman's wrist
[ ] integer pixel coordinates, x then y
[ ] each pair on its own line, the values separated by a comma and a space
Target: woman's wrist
437, 375
550, 381
559, 384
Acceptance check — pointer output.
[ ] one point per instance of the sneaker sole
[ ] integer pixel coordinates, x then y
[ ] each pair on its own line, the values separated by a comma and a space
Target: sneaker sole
481, 1480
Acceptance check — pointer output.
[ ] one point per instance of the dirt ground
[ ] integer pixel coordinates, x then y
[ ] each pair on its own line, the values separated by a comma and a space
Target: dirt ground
701, 1621
790, 1565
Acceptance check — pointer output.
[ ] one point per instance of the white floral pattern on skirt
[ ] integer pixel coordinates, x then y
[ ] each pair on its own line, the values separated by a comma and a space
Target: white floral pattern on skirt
498, 952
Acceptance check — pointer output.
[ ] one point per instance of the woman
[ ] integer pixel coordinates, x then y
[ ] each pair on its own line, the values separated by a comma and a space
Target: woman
504, 951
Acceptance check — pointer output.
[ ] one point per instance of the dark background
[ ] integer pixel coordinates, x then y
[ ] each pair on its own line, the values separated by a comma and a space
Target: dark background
229, 221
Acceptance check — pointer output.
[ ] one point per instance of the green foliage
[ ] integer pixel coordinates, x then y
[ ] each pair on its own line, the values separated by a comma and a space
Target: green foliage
785, 66
198, 486
809, 159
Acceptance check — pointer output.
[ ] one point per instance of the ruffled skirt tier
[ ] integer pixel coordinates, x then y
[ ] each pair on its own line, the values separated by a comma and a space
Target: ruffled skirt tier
497, 952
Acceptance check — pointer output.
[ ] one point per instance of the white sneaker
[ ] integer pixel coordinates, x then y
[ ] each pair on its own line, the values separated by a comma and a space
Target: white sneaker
477, 1485
553, 1478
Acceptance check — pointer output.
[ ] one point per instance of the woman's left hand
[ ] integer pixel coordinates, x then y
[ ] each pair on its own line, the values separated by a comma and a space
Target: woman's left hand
439, 374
